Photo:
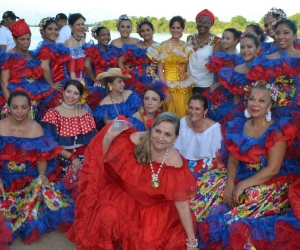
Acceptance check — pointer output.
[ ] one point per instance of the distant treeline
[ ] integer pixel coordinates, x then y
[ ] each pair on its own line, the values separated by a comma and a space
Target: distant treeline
162, 24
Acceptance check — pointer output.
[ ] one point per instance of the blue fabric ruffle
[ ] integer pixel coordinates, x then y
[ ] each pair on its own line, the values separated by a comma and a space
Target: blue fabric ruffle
127, 108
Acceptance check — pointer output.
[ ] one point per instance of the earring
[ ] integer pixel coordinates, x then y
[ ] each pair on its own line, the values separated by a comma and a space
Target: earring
204, 116
247, 113
110, 88
158, 110
269, 115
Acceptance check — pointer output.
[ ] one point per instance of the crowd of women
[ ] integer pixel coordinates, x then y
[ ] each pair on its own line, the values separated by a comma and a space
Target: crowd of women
132, 144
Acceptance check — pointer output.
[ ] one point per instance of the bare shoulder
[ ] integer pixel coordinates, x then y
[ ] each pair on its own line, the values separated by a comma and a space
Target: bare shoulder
106, 100
35, 129
3, 125
81, 111
134, 40
137, 115
127, 93
116, 42
135, 137
174, 159
68, 43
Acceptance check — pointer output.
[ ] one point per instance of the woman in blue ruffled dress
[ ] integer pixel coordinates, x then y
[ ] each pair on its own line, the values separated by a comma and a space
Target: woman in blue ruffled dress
21, 70
228, 58
73, 128
31, 202
246, 205
99, 58
234, 84
118, 101
143, 70
153, 104
53, 59
283, 69
124, 26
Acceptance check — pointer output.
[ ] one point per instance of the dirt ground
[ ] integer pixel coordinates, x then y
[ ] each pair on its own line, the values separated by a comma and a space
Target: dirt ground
50, 241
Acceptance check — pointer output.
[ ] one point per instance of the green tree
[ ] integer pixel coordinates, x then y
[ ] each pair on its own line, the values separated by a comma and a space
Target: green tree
242, 21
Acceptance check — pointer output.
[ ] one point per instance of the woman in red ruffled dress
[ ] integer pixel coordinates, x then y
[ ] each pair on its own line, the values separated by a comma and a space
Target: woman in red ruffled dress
135, 191
99, 58
53, 58
22, 70
143, 69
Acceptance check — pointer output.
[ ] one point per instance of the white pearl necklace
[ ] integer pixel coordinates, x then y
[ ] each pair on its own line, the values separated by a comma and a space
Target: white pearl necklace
67, 106
155, 183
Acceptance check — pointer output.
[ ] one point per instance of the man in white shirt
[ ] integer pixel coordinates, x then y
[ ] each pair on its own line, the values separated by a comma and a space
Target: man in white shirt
6, 40
64, 29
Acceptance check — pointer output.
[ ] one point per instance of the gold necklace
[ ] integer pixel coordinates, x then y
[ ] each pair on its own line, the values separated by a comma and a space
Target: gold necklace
117, 111
155, 183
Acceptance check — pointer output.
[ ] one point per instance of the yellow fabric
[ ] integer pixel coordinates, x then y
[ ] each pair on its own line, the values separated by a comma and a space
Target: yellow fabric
179, 100
175, 59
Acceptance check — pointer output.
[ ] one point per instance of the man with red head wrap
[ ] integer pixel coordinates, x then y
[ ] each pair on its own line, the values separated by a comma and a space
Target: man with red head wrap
6, 41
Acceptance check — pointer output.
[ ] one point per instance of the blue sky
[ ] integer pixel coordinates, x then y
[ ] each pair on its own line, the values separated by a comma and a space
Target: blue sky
33, 10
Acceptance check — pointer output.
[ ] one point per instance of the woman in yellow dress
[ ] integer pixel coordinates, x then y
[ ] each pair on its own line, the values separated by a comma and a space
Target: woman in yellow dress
172, 57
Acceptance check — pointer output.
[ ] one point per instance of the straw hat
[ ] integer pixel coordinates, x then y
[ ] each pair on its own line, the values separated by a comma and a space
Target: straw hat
117, 72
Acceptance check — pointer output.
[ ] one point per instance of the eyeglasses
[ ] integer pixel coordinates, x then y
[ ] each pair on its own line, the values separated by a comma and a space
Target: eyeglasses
205, 23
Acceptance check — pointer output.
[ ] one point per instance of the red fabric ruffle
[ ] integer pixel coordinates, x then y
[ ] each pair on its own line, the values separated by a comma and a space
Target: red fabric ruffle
18, 69
5, 234
10, 153
294, 197
106, 210
257, 73
253, 154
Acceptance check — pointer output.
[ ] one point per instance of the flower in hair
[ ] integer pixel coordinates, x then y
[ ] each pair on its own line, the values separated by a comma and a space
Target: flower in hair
277, 12
138, 24
94, 29
271, 87
121, 18
45, 20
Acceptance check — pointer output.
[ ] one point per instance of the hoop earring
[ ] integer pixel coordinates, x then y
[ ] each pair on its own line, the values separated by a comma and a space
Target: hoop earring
269, 115
247, 113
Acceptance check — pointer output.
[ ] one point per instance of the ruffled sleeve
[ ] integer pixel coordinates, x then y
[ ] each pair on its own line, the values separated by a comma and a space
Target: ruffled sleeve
57, 52
64, 129
222, 59
236, 83
29, 149
139, 125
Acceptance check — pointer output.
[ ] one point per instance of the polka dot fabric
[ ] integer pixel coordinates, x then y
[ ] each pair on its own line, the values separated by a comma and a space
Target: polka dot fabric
70, 126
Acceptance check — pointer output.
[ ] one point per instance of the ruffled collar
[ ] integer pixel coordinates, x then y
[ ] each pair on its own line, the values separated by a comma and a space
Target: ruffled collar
234, 132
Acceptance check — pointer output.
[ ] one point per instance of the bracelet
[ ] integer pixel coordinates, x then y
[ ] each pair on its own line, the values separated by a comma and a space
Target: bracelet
72, 157
41, 175
192, 246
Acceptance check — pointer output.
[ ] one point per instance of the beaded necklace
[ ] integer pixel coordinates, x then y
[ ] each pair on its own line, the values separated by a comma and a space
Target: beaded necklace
155, 183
